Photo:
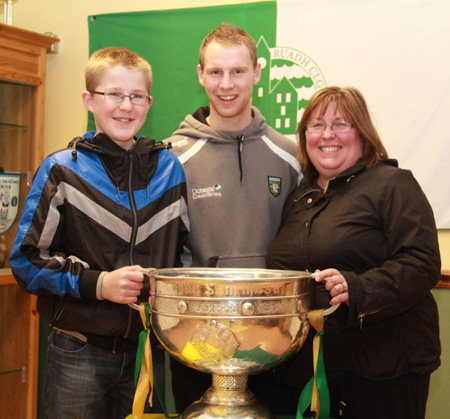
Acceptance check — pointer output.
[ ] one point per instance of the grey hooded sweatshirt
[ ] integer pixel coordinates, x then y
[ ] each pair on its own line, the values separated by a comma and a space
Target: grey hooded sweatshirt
237, 184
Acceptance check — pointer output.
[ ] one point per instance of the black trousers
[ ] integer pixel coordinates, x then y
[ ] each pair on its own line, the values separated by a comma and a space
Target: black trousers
400, 398
352, 397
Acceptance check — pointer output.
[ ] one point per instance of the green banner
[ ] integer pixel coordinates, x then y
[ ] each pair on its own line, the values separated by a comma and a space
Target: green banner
170, 41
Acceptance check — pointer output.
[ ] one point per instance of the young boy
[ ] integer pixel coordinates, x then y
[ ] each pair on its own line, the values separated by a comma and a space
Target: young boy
96, 213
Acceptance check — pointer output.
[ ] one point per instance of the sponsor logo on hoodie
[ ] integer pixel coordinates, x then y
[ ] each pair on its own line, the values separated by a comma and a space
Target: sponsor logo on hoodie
208, 192
180, 143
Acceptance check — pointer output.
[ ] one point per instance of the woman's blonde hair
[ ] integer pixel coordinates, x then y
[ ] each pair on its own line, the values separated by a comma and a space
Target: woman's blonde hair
351, 104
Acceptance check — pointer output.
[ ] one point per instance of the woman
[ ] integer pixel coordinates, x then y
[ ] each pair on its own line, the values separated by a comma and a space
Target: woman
367, 230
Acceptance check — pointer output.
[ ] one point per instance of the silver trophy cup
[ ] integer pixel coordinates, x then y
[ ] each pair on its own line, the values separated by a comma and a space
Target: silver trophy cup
230, 323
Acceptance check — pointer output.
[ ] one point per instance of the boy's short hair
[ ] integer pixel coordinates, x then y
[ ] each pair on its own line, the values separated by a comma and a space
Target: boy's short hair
106, 58
227, 34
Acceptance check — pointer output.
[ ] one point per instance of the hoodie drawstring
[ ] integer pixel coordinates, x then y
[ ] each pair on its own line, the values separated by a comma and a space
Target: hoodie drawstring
74, 147
117, 186
240, 144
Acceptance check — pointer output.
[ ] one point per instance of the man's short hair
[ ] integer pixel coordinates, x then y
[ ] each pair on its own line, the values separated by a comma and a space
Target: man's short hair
227, 34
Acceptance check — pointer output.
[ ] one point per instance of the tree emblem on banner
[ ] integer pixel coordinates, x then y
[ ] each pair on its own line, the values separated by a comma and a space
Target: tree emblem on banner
288, 80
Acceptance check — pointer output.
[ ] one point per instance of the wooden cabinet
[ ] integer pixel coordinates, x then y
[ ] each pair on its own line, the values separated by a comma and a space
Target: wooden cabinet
22, 87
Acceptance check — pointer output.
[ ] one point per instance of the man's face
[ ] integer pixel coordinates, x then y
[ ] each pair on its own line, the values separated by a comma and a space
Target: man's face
120, 121
228, 77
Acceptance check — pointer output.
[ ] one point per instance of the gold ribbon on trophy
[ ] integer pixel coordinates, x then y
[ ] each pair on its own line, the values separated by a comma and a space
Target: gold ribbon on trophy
144, 367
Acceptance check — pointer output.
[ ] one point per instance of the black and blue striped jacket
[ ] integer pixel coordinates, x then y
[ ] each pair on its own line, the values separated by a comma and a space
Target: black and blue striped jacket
96, 207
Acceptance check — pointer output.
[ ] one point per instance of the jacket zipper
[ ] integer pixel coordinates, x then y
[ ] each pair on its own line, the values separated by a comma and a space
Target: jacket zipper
133, 210
362, 315
133, 230
361, 319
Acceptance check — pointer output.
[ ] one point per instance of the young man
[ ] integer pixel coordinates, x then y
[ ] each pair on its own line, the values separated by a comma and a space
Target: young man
96, 213
239, 172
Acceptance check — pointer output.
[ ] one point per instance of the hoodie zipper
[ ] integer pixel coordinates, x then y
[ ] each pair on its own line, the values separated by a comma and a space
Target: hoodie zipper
240, 141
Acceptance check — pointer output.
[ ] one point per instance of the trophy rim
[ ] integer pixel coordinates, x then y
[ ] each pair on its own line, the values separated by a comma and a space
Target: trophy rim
240, 274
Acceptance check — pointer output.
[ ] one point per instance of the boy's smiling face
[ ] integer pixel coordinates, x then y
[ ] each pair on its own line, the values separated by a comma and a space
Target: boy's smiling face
120, 121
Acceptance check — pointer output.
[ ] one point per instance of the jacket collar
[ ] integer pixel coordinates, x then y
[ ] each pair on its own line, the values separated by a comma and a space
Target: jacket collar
103, 145
347, 175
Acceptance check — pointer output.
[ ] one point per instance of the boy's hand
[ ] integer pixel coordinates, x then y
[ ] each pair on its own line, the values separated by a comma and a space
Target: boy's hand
123, 285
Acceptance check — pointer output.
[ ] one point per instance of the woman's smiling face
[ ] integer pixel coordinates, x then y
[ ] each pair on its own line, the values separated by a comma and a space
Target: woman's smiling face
331, 153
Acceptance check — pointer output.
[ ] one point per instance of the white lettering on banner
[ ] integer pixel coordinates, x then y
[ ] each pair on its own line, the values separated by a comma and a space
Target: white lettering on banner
301, 59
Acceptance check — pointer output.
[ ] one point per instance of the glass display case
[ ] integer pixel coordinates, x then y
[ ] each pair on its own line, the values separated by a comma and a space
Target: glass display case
23, 57
16, 128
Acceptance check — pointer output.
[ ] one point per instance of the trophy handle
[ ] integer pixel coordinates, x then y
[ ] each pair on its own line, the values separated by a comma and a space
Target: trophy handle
331, 310
145, 272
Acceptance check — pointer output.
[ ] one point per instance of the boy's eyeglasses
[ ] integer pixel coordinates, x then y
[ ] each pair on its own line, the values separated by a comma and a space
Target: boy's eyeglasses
339, 127
118, 97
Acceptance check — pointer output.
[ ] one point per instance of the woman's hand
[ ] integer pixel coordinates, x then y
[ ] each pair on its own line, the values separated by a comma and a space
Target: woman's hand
335, 283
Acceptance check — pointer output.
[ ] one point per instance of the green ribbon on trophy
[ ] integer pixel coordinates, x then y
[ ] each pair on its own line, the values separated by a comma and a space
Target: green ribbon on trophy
316, 391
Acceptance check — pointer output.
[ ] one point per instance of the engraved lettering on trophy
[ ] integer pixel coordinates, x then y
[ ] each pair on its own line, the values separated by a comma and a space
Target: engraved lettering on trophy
209, 289
230, 291
247, 290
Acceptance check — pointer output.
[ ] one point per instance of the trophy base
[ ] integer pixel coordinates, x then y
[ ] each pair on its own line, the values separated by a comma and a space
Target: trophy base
228, 397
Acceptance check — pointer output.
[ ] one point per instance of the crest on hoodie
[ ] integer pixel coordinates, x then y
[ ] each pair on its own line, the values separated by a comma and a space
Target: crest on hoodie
274, 185
9, 200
